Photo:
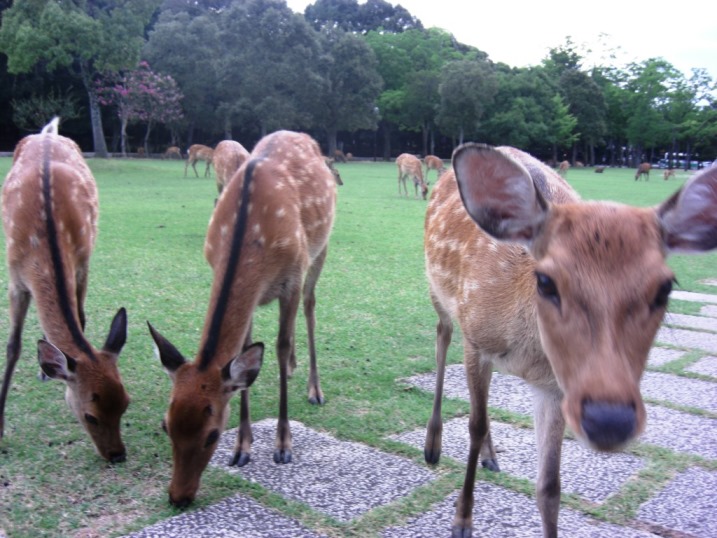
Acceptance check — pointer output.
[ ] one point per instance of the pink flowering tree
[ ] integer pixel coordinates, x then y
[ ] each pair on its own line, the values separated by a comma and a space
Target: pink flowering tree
141, 96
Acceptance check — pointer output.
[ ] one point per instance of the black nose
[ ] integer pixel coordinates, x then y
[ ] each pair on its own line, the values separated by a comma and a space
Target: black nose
118, 457
180, 503
608, 425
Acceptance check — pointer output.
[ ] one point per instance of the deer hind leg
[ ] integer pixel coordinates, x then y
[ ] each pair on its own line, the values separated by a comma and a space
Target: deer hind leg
549, 430
434, 431
207, 173
479, 374
288, 308
19, 303
316, 396
245, 437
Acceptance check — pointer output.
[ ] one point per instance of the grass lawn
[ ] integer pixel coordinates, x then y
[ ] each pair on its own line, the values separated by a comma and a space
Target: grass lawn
375, 325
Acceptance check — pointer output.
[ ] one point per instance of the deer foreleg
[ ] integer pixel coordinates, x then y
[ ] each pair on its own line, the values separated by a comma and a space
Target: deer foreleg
479, 374
549, 430
434, 431
288, 307
81, 294
316, 396
242, 449
19, 303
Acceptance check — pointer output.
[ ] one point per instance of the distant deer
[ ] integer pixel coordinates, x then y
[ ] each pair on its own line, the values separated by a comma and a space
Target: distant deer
410, 166
50, 211
171, 152
339, 156
228, 158
563, 168
434, 163
199, 152
599, 169
643, 170
267, 240
568, 295
667, 174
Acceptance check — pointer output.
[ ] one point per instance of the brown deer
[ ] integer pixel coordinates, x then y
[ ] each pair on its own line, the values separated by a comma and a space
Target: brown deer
434, 163
339, 156
267, 239
199, 152
563, 168
667, 174
643, 170
228, 158
50, 211
171, 152
599, 169
567, 295
410, 166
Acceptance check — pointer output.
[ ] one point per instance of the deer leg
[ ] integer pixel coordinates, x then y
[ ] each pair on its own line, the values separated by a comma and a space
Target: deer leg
312, 276
549, 430
19, 303
479, 374
288, 307
434, 430
194, 167
81, 293
186, 165
206, 170
242, 449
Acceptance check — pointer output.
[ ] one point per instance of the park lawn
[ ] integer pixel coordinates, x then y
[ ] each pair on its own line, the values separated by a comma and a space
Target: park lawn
375, 326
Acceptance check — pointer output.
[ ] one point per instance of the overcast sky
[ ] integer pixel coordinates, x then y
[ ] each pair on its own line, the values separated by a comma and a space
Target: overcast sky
520, 33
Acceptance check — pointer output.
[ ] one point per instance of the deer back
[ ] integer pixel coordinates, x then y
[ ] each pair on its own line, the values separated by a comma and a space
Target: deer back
228, 156
50, 212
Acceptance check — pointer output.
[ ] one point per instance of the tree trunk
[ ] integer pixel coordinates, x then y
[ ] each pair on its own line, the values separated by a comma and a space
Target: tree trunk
98, 135
331, 133
123, 137
424, 135
146, 139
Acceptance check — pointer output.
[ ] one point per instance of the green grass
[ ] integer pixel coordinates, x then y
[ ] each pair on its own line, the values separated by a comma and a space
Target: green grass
375, 326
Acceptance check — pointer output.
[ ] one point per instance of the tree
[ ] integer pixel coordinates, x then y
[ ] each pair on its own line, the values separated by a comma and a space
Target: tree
586, 103
88, 37
350, 16
36, 111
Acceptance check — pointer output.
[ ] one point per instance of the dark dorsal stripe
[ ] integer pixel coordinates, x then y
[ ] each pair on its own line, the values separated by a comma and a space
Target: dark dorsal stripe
220, 309
63, 298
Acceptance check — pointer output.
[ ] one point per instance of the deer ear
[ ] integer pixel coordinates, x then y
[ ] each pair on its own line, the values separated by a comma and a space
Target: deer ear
169, 355
689, 217
54, 363
243, 369
498, 193
118, 333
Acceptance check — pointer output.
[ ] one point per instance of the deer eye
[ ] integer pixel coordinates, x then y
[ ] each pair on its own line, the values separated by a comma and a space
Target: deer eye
547, 288
662, 296
212, 438
91, 419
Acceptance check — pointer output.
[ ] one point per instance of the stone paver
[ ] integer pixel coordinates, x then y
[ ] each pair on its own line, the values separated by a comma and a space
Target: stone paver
503, 513
704, 366
678, 390
338, 478
687, 339
235, 517
688, 504
695, 322
709, 310
593, 476
681, 432
659, 356
693, 297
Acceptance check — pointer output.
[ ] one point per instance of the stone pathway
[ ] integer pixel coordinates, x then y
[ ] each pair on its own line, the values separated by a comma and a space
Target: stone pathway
343, 480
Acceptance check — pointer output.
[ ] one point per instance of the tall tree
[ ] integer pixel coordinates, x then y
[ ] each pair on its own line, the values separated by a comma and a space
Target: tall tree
586, 103
88, 37
350, 16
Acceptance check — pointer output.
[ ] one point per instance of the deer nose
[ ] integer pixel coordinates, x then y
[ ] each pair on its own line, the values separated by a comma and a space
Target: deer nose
117, 457
180, 503
608, 425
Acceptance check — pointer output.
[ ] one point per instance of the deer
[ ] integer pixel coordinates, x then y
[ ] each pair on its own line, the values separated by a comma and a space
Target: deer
228, 158
667, 174
434, 163
50, 212
599, 169
563, 293
410, 166
330, 165
267, 240
171, 152
563, 168
199, 152
643, 170
340, 156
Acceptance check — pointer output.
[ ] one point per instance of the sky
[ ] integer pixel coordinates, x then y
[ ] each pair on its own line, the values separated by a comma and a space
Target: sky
520, 33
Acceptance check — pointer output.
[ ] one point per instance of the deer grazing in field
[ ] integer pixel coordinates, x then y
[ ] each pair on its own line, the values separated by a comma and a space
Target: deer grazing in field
199, 152
410, 166
563, 168
267, 240
434, 163
171, 152
667, 174
228, 158
599, 169
50, 212
643, 170
566, 294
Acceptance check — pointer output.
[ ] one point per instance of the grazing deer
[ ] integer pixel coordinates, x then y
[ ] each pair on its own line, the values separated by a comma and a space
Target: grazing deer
563, 168
599, 169
171, 152
50, 211
667, 174
643, 170
410, 165
339, 156
434, 163
228, 158
198, 152
567, 295
267, 238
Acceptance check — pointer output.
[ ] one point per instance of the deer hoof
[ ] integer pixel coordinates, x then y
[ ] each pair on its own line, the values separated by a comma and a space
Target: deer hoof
491, 464
240, 459
316, 400
461, 532
282, 456
432, 457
